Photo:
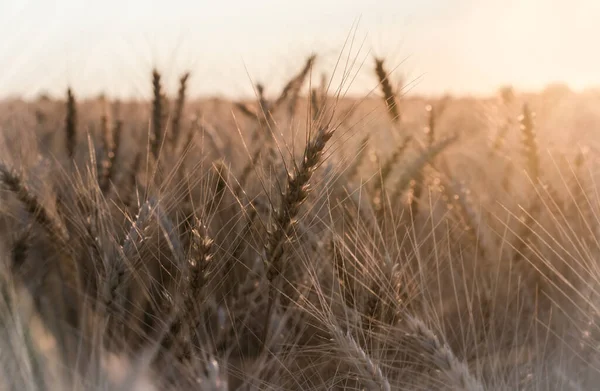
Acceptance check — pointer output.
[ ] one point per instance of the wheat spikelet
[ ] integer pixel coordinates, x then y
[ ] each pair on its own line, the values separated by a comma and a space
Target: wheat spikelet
389, 96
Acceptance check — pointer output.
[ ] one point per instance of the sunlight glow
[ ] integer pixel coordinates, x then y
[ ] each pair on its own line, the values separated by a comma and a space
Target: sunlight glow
458, 46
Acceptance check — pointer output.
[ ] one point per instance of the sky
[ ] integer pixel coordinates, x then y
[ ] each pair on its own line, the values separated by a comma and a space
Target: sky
435, 46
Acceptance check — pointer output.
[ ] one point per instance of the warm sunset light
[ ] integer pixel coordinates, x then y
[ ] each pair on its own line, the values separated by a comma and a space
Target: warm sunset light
299, 195
461, 46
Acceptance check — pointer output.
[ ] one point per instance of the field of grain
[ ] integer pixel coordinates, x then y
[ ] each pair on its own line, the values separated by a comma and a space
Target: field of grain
302, 240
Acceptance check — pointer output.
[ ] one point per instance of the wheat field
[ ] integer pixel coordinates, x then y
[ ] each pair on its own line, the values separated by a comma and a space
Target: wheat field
301, 240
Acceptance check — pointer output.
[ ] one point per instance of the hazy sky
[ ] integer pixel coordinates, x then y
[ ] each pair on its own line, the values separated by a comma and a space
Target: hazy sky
459, 46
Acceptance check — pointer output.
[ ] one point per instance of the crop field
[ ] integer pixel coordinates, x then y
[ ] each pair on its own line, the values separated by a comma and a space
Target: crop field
301, 240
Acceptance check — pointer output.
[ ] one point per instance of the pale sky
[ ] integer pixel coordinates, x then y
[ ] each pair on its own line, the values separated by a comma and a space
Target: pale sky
457, 46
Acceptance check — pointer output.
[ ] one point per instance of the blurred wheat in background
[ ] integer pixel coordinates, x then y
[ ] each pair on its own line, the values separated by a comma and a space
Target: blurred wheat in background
301, 240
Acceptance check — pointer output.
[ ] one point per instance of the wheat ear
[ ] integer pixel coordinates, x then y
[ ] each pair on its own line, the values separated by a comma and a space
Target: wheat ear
417, 188
71, 124
198, 263
157, 115
442, 356
118, 266
355, 355
179, 106
532, 157
285, 216
16, 185
389, 95
111, 140
530, 148
292, 88
295, 194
